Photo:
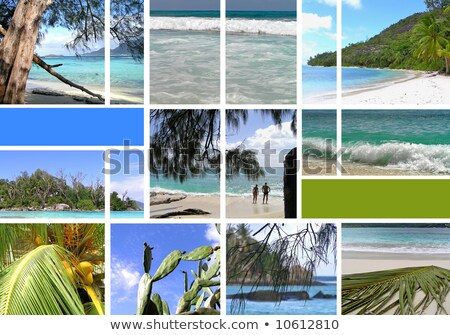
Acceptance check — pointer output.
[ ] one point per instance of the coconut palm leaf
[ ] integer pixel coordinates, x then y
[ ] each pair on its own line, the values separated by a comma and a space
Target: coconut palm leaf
8, 236
38, 284
401, 291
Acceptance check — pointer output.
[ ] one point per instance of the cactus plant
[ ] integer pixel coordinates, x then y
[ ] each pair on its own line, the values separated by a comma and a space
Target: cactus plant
197, 295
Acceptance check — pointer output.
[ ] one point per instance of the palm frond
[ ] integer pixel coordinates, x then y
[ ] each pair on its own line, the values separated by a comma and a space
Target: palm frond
38, 284
8, 236
399, 291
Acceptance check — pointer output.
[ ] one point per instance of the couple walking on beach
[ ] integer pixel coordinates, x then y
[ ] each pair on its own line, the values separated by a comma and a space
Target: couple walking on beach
265, 190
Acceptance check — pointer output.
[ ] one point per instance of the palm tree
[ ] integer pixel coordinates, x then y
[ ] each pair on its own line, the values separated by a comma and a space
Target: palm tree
430, 34
185, 143
51, 269
446, 54
398, 291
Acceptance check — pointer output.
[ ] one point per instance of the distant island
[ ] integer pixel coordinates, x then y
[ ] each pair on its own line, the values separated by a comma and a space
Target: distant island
122, 50
125, 203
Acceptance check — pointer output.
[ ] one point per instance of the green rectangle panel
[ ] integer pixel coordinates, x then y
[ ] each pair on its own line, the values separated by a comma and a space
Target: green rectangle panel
375, 198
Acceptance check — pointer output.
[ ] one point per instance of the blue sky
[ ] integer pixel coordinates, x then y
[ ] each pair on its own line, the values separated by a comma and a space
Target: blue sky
90, 163
262, 5
323, 270
131, 180
257, 131
127, 246
371, 17
185, 5
319, 27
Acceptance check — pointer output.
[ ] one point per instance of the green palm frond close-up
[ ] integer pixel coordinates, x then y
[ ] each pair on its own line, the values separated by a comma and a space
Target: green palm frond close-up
51, 269
406, 291
37, 284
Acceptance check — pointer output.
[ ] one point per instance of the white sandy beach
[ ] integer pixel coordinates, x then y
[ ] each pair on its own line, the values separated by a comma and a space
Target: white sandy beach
69, 95
207, 203
358, 262
420, 89
242, 207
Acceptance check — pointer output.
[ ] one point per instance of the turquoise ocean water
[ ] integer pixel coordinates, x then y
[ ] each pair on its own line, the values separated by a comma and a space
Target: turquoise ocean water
397, 240
209, 184
52, 215
415, 140
261, 57
359, 78
317, 82
87, 71
127, 215
240, 186
127, 75
184, 57
318, 126
127, 78
291, 307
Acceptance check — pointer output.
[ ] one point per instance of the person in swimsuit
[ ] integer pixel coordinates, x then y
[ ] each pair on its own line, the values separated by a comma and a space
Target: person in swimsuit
266, 190
255, 194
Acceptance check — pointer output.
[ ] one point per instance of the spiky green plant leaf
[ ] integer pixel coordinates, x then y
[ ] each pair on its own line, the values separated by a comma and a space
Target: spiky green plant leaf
37, 284
411, 291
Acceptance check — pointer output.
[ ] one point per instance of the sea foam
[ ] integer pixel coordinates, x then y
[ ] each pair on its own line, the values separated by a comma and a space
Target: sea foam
405, 156
242, 26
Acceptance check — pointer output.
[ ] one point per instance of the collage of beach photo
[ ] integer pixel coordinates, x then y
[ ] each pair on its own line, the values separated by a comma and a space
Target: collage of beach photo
168, 152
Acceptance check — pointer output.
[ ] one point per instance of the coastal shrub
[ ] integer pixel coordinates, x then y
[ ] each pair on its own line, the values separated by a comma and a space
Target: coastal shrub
86, 205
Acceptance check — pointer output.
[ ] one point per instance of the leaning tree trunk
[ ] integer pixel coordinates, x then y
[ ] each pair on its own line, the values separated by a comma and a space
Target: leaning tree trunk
290, 184
17, 49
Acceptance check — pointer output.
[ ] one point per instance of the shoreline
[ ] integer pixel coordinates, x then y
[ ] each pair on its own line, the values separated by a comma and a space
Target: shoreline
321, 167
416, 88
54, 92
242, 207
420, 87
360, 262
170, 205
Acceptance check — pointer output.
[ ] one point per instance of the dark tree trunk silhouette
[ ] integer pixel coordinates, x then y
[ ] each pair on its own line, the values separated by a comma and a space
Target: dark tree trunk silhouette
290, 185
17, 49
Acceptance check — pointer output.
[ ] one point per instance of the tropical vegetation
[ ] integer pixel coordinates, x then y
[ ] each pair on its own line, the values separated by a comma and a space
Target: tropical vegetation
123, 203
41, 190
419, 42
416, 290
274, 257
200, 297
52, 269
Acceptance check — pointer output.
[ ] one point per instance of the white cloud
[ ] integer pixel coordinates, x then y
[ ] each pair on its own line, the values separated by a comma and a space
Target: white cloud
314, 22
280, 138
133, 184
352, 3
212, 235
124, 279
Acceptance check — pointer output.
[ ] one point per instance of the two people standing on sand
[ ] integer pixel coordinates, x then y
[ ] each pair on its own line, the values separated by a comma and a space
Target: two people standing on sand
265, 190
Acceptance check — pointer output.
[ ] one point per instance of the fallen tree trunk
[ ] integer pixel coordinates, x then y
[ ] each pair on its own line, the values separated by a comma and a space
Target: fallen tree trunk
49, 68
